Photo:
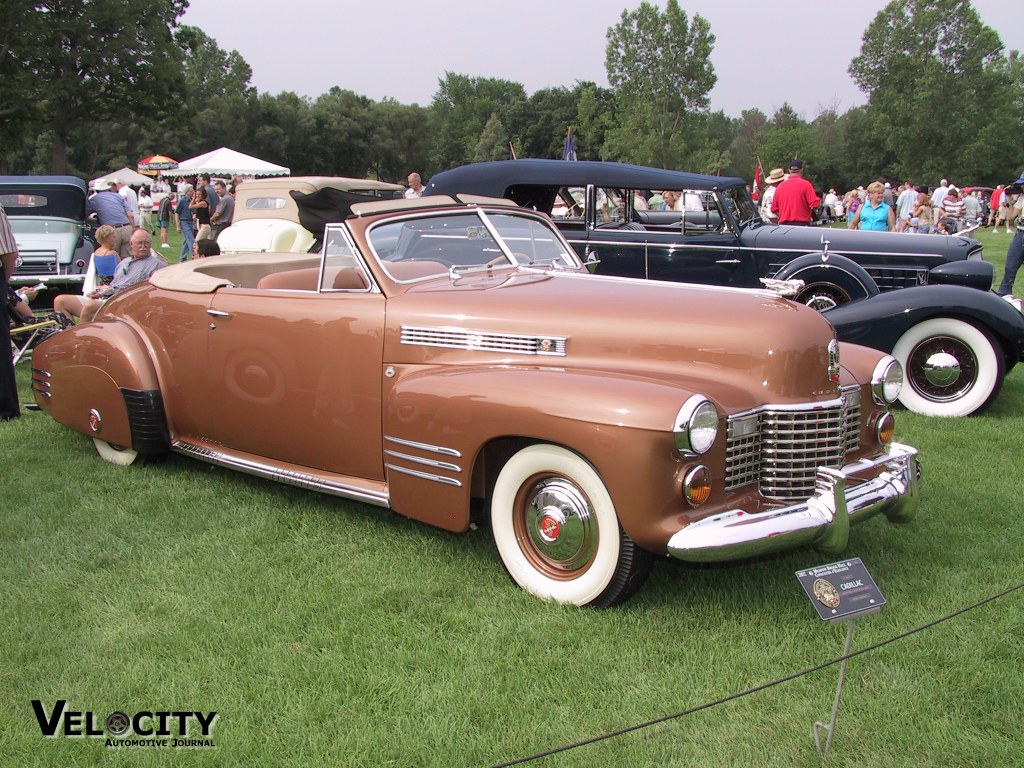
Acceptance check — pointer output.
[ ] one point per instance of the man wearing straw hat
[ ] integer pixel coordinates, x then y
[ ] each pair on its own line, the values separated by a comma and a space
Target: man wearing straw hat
771, 183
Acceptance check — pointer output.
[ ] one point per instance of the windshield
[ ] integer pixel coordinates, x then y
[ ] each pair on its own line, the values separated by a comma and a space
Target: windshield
741, 206
435, 244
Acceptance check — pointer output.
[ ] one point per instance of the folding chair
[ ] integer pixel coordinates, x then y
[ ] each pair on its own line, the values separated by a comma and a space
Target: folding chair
25, 333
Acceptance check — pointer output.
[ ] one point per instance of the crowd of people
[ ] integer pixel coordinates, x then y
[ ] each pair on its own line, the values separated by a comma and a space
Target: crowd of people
946, 209
124, 254
910, 208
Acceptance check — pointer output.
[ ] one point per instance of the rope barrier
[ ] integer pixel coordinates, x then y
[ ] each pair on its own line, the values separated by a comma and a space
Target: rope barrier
758, 688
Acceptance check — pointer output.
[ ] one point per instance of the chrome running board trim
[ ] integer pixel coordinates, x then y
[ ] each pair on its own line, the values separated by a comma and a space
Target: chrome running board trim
288, 477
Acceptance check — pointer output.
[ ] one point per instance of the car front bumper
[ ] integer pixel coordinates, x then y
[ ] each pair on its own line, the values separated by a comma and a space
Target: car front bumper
823, 520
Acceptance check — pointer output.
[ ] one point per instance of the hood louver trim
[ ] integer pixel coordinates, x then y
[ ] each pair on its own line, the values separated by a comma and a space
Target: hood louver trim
484, 341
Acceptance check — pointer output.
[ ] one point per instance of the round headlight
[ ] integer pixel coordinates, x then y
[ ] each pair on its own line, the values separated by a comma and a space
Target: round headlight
887, 380
696, 425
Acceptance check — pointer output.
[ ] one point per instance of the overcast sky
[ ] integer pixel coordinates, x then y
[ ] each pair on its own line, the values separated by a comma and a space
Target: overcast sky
400, 49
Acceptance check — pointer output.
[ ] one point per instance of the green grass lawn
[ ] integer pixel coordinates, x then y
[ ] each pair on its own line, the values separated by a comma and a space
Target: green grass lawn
331, 633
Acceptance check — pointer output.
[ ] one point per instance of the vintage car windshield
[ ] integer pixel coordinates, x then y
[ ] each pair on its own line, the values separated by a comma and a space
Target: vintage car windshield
740, 204
441, 242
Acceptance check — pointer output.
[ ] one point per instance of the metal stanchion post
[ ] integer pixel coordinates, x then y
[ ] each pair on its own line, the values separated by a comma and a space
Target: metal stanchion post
831, 726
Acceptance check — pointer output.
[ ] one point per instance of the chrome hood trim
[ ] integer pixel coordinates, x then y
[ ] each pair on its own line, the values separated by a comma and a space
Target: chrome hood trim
483, 341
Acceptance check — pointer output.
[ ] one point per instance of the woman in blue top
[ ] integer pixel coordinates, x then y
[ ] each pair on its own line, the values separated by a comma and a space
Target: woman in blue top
874, 214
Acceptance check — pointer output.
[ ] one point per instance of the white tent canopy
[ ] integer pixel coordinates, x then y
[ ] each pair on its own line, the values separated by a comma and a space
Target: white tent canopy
130, 177
227, 162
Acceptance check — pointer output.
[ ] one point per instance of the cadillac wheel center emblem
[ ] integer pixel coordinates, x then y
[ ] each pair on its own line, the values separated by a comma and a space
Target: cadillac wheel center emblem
550, 527
95, 421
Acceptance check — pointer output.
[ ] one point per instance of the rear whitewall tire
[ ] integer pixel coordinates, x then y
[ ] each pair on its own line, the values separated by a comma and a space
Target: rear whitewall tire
115, 454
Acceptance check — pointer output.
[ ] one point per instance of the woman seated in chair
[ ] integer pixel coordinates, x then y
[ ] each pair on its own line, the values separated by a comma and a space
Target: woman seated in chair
105, 257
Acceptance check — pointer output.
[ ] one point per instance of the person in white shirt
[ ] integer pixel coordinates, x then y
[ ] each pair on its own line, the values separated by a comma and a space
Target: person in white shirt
771, 182
130, 197
905, 207
937, 197
146, 210
415, 186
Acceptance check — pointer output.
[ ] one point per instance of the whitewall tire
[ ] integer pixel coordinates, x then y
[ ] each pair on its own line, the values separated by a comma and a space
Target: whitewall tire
115, 454
557, 532
950, 368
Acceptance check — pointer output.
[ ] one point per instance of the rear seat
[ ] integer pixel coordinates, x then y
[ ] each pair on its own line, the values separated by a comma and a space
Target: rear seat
292, 280
348, 278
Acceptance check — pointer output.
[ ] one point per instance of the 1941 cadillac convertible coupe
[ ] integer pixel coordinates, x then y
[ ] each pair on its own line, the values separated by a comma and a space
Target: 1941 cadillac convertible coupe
439, 359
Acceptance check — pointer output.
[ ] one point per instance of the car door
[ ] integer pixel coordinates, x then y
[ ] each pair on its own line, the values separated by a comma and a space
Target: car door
296, 376
655, 245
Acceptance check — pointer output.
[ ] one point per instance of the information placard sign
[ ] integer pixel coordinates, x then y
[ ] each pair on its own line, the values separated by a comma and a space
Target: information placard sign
841, 590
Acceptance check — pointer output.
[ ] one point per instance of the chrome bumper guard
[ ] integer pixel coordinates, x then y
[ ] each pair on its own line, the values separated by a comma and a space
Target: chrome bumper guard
823, 520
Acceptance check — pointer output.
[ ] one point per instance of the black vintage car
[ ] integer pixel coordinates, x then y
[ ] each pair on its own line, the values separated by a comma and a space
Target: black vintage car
956, 342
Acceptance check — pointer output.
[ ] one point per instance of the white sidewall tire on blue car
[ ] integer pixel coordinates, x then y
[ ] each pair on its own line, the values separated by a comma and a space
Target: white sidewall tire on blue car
606, 567
980, 358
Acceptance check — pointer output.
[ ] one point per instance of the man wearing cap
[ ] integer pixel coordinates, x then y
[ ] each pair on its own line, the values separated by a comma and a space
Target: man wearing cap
795, 199
1015, 253
113, 210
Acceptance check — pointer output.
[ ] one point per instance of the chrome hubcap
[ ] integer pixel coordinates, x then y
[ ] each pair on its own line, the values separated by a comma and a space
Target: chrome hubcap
561, 524
941, 369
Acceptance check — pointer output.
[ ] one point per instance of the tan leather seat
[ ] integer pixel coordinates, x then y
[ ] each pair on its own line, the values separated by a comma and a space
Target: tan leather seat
292, 280
351, 279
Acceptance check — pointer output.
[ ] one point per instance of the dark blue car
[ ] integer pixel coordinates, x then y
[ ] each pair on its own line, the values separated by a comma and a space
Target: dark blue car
955, 338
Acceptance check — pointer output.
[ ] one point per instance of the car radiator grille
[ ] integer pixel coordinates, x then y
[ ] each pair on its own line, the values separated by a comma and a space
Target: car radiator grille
781, 449
891, 279
37, 263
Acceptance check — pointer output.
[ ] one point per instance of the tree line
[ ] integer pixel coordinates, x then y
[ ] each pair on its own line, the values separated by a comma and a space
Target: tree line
93, 85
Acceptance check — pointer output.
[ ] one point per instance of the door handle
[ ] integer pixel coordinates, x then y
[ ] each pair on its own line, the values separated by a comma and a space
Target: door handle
218, 313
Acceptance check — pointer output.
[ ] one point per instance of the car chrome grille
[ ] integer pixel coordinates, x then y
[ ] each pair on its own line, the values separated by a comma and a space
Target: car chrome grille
781, 449
889, 279
37, 263
483, 341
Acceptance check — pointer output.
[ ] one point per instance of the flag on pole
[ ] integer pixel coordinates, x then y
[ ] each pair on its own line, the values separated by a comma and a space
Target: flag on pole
511, 152
569, 151
758, 176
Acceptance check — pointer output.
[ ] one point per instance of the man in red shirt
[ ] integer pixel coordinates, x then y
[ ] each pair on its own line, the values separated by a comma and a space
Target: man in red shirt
795, 199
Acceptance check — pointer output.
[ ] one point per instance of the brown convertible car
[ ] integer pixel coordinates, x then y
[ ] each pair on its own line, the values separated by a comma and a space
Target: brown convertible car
440, 359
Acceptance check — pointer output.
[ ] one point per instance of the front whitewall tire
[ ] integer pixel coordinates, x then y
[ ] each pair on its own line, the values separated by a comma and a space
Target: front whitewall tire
606, 566
978, 355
